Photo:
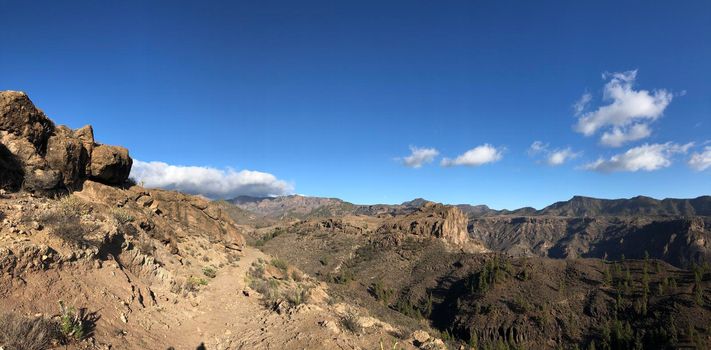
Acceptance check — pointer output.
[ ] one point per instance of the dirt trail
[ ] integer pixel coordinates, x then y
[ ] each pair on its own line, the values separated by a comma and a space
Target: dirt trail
224, 318
222, 311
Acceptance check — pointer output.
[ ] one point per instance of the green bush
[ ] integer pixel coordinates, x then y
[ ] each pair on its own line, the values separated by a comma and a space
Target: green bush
122, 216
193, 284
279, 264
209, 271
381, 293
342, 277
71, 322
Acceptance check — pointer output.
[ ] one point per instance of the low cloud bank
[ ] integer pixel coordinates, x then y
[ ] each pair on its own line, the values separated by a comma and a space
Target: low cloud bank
208, 181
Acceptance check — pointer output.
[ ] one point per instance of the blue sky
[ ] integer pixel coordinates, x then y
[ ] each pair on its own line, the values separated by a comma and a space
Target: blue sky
327, 98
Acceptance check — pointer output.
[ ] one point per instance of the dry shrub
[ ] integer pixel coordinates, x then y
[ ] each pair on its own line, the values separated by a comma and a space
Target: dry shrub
65, 220
351, 323
298, 295
22, 333
66, 226
193, 284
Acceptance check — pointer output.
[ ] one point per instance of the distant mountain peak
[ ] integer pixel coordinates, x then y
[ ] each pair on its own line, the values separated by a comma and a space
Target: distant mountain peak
417, 202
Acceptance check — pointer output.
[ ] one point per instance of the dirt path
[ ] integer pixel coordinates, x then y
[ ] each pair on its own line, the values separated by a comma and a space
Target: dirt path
224, 318
221, 310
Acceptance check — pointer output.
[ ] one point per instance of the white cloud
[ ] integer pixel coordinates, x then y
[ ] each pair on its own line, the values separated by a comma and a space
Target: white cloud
558, 157
619, 136
537, 147
476, 156
627, 110
646, 158
419, 156
210, 182
553, 157
582, 103
702, 160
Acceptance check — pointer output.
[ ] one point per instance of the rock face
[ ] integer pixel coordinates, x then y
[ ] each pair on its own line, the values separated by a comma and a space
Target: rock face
680, 241
173, 216
444, 222
40, 157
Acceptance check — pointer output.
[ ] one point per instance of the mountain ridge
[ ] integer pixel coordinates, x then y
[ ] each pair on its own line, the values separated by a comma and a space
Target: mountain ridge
577, 206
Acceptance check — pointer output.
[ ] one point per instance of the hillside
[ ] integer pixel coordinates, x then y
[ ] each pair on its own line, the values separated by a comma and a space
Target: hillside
673, 230
419, 272
89, 260
292, 207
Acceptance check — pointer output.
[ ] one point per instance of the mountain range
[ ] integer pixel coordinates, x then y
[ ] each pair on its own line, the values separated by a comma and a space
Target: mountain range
579, 206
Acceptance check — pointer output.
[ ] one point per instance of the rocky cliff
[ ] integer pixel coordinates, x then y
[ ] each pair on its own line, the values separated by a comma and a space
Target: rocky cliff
443, 222
680, 241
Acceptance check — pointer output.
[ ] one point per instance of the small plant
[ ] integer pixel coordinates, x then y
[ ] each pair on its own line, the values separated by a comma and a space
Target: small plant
297, 276
381, 293
268, 236
298, 295
343, 277
351, 323
122, 216
71, 204
394, 347
71, 322
192, 284
279, 264
521, 305
446, 335
267, 289
209, 271
257, 270
473, 339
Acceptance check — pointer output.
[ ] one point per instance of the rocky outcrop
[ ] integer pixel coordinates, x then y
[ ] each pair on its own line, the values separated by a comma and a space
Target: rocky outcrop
443, 222
22, 119
173, 215
40, 157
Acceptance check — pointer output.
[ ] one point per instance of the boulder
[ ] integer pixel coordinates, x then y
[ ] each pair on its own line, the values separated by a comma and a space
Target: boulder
43, 158
110, 164
19, 116
66, 154
41, 180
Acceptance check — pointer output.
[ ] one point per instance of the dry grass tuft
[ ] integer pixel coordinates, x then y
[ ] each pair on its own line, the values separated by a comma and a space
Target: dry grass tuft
22, 333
